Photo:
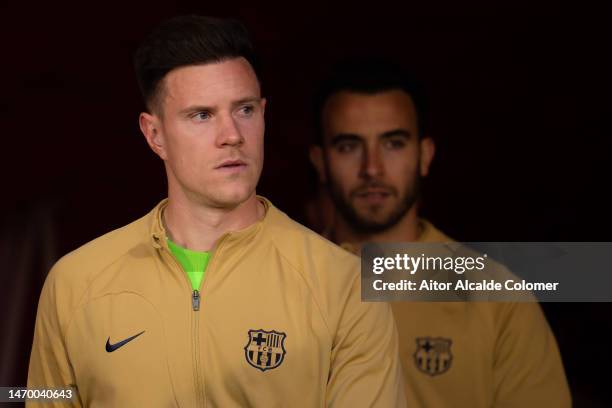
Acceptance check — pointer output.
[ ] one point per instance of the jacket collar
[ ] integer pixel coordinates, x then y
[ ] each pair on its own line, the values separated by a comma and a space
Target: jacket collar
429, 234
159, 237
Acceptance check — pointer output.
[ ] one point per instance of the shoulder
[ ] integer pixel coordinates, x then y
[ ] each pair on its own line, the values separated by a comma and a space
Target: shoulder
97, 254
330, 273
72, 274
306, 249
429, 233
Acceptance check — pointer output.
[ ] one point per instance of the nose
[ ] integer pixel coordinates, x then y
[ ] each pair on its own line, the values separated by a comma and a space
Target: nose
372, 164
229, 133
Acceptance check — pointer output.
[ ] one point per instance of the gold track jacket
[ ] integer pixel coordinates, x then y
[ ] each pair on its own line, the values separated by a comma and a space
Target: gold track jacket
477, 354
278, 323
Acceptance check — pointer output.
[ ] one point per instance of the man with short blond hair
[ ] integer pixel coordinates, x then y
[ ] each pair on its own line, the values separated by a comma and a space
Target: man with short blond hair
216, 297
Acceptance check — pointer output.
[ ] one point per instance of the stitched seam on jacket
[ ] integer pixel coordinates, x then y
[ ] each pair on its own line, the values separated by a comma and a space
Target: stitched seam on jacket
312, 292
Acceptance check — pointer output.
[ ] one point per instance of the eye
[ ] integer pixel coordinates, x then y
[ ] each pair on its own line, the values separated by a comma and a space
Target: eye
247, 110
201, 116
394, 144
346, 147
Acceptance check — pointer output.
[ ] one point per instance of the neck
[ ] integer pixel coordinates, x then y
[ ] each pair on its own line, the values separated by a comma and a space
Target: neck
198, 227
407, 229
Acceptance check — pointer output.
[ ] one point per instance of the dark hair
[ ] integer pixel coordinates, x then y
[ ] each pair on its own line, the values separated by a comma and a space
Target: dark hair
188, 40
368, 76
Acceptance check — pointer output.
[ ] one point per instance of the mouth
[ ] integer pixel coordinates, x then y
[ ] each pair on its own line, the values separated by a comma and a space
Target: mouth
373, 195
231, 165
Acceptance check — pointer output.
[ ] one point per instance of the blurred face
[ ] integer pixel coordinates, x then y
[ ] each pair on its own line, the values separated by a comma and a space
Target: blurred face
209, 132
372, 157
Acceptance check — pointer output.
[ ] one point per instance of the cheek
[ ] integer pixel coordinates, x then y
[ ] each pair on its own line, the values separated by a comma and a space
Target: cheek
401, 167
189, 154
344, 169
253, 133
181, 139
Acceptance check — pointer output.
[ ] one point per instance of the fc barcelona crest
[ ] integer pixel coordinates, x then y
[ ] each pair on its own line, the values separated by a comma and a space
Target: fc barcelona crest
433, 355
265, 350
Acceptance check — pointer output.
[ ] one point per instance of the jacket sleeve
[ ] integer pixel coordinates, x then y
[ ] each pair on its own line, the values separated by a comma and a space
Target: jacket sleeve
528, 371
365, 369
49, 362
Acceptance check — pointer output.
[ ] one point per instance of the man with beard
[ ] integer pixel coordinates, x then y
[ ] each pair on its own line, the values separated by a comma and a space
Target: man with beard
372, 154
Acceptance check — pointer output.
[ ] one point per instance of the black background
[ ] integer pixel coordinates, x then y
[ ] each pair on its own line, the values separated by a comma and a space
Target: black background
516, 96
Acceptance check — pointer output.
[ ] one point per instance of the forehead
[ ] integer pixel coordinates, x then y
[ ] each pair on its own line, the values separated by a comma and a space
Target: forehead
365, 114
211, 83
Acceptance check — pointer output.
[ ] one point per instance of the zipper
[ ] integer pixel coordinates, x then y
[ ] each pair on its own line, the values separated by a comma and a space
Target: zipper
195, 300
199, 385
195, 305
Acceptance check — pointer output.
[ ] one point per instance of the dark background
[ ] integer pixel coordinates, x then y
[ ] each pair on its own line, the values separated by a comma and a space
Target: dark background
516, 97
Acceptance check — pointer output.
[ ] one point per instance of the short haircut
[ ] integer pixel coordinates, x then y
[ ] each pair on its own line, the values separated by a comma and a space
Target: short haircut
368, 76
187, 40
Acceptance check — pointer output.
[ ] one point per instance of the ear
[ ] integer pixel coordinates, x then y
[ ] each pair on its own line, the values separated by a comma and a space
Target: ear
262, 103
316, 158
150, 127
427, 150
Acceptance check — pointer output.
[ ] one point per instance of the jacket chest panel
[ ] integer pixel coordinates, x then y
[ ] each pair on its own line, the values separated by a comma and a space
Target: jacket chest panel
264, 332
118, 350
446, 352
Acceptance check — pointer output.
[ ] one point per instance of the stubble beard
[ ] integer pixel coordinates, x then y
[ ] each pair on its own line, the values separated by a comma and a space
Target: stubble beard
369, 225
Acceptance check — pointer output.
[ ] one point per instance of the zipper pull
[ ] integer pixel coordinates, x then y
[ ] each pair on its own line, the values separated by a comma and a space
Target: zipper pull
195, 300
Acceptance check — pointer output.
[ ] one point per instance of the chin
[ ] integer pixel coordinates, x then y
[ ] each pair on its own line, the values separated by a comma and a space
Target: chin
374, 215
232, 197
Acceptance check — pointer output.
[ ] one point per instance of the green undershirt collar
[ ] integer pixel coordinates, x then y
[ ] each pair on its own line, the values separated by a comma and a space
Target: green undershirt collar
194, 263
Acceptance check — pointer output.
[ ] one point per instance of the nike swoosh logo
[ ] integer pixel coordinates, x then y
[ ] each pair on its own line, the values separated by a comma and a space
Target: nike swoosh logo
112, 347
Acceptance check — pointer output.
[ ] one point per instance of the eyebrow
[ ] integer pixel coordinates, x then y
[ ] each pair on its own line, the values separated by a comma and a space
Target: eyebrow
352, 137
250, 99
344, 137
201, 108
396, 132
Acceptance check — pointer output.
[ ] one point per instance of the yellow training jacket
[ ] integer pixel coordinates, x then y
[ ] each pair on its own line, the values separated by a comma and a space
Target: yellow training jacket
278, 323
477, 354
